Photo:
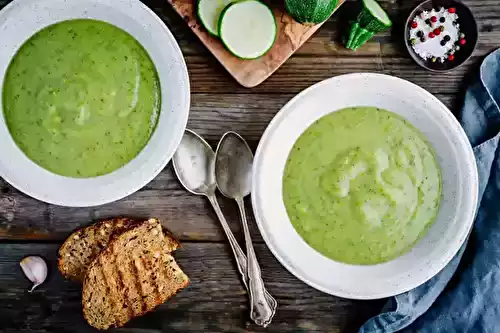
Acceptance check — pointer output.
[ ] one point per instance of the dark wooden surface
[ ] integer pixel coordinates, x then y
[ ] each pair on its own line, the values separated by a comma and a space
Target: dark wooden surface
216, 301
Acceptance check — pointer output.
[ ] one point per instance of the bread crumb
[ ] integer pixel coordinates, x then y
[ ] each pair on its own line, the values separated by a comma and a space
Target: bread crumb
76, 237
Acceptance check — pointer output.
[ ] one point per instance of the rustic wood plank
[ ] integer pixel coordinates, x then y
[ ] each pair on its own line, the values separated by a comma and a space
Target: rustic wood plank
299, 73
188, 216
249, 114
214, 302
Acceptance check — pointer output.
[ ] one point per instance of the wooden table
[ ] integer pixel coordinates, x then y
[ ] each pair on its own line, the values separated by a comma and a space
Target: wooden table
216, 301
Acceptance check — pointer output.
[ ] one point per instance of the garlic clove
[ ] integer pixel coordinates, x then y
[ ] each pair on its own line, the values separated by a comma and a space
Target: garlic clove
35, 270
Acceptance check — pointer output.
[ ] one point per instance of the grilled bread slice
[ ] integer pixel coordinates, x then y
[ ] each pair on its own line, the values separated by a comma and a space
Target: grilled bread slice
132, 276
82, 246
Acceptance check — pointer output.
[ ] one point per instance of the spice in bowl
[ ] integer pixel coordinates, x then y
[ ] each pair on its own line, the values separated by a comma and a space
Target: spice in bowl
435, 35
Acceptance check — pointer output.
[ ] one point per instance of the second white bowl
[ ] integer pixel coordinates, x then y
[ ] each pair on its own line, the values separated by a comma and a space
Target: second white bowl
459, 180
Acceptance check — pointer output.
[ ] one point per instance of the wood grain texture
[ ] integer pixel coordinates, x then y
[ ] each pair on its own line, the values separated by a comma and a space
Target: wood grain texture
298, 73
215, 301
250, 73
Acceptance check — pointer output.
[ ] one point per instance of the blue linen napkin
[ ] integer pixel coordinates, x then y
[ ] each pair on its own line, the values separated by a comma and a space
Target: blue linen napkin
465, 295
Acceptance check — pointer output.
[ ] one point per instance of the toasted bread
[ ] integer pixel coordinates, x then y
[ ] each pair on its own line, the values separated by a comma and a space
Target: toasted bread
132, 276
82, 246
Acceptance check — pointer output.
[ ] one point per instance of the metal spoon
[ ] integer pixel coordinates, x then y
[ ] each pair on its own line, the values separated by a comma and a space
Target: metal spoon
233, 173
194, 166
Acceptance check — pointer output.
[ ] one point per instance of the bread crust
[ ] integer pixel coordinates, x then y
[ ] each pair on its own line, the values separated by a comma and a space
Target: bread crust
74, 265
130, 277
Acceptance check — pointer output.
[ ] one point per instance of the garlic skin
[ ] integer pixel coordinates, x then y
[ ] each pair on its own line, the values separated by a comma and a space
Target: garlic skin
35, 270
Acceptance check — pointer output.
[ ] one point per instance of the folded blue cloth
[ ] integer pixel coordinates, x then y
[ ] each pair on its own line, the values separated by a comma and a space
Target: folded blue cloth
465, 295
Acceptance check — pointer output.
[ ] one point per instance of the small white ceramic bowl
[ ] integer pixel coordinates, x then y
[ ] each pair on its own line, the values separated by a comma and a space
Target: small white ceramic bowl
20, 20
459, 177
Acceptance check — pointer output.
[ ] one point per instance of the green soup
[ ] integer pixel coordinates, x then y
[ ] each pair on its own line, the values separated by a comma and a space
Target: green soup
81, 98
362, 186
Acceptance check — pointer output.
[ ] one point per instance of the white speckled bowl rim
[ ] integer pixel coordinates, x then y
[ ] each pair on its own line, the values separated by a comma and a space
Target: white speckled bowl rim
454, 154
21, 19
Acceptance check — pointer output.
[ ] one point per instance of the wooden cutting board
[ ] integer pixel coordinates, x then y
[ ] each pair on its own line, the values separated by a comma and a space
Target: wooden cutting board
250, 73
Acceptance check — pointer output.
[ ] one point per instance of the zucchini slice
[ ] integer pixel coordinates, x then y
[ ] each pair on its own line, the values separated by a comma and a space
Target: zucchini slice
209, 13
371, 20
373, 17
247, 29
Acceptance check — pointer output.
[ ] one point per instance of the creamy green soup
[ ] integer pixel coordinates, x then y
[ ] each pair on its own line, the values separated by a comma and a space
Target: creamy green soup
81, 98
362, 185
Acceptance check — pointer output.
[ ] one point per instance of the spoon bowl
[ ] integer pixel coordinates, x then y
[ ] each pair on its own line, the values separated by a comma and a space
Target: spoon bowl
194, 164
233, 169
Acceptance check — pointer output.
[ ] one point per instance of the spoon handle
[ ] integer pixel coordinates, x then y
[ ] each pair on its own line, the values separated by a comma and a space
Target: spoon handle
239, 255
262, 307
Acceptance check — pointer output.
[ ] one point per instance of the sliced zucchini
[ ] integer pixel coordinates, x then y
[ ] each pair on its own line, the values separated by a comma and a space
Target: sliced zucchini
373, 17
248, 29
357, 36
370, 20
209, 13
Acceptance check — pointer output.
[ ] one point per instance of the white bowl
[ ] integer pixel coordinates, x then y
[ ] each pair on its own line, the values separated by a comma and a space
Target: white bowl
20, 20
459, 177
